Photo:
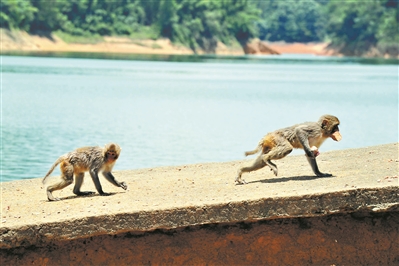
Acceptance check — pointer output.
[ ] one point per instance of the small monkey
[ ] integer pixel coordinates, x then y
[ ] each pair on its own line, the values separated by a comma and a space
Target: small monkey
308, 136
81, 160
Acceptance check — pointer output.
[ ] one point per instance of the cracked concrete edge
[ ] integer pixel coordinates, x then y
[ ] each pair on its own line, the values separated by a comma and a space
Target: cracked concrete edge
357, 200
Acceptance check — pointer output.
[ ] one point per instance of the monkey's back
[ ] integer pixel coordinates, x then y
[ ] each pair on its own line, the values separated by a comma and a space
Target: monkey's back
312, 130
86, 158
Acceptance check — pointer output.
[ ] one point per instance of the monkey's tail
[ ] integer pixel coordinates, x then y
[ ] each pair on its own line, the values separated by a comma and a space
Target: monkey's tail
258, 149
59, 160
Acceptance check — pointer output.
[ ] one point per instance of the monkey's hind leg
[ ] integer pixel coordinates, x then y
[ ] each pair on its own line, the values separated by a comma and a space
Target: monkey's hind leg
78, 184
282, 149
257, 164
272, 166
66, 180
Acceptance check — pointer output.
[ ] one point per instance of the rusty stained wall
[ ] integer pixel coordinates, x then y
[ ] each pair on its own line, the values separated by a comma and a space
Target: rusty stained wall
357, 239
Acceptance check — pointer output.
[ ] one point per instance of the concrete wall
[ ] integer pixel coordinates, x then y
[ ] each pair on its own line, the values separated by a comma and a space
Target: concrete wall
341, 239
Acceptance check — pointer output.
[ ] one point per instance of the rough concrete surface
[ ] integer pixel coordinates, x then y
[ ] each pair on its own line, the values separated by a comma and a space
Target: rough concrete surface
364, 181
339, 239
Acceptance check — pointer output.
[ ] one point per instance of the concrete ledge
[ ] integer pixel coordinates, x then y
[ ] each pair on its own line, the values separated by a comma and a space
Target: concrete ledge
357, 200
365, 180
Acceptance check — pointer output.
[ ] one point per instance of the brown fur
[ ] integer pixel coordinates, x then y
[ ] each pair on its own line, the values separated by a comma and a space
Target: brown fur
85, 159
308, 136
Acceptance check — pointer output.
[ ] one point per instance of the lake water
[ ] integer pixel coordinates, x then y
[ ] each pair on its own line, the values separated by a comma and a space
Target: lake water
183, 110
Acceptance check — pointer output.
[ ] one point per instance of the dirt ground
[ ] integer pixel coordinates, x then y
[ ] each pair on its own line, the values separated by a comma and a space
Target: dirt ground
21, 41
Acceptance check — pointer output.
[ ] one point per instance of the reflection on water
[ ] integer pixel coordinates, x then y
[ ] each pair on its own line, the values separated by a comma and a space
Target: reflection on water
173, 110
273, 59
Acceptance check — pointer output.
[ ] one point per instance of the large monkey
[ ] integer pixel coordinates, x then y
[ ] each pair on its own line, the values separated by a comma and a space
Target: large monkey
307, 136
81, 160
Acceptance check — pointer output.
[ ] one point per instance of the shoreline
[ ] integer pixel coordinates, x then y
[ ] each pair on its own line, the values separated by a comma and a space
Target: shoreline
19, 41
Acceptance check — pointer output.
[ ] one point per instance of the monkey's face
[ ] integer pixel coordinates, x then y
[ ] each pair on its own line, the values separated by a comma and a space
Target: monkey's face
335, 135
329, 124
112, 152
111, 156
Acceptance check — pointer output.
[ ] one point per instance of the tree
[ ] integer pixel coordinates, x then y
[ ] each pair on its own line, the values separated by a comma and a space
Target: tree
355, 28
201, 24
291, 21
17, 14
388, 29
48, 16
241, 19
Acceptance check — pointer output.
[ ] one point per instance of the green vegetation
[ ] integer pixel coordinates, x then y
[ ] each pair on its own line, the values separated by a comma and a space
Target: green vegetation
292, 21
353, 27
358, 27
83, 39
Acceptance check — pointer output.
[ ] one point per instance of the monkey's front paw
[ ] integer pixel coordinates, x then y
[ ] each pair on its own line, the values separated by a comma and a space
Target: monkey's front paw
105, 194
85, 193
315, 151
323, 175
123, 185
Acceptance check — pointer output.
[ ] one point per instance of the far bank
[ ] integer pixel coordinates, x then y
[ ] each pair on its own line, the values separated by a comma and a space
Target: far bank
22, 41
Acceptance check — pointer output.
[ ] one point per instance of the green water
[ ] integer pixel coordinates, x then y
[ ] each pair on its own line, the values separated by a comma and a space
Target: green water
174, 110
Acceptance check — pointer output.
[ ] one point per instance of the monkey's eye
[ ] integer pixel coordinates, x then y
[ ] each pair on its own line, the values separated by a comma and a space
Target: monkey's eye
335, 128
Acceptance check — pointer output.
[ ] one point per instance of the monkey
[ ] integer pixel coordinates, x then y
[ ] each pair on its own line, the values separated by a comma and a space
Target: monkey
81, 160
308, 136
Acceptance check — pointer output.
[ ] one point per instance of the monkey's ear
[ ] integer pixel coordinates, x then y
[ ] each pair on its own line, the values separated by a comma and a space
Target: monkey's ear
324, 123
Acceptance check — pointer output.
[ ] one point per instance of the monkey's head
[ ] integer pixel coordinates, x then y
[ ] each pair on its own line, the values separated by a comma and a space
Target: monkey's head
329, 125
111, 152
